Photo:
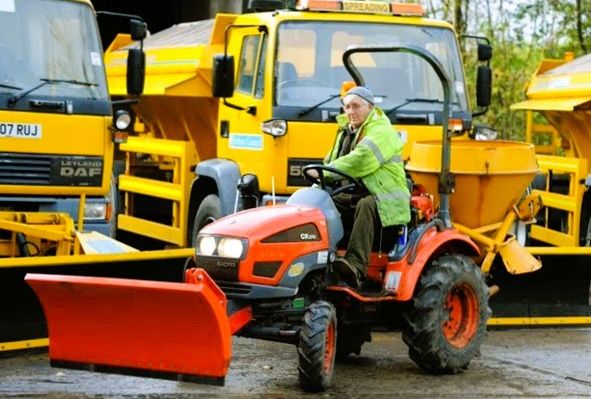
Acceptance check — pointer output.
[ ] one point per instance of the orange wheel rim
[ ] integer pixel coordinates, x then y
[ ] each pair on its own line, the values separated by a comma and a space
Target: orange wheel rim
461, 306
329, 348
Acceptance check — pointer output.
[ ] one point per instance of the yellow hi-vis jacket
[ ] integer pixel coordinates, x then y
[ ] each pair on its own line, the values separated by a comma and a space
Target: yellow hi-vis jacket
376, 158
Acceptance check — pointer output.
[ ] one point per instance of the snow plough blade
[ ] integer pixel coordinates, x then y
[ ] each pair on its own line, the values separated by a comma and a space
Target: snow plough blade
177, 331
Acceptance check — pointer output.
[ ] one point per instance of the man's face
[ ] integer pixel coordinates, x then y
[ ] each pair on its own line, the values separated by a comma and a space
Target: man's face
356, 109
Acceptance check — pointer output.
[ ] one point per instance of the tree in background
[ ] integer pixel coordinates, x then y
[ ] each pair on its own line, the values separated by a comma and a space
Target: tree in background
522, 33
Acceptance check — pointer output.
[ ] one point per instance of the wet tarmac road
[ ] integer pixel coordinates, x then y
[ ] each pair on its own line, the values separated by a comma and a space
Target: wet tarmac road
548, 363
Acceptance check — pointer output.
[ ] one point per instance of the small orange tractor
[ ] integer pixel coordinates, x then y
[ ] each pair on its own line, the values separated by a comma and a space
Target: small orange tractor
266, 273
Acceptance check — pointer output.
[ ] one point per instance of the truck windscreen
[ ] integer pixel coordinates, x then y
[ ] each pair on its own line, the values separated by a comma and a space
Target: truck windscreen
47, 40
309, 69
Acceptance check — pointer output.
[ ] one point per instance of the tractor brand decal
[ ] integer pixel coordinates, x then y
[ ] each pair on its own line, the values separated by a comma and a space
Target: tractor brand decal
393, 281
226, 264
245, 141
306, 232
308, 237
296, 269
77, 171
20, 130
219, 268
295, 176
322, 257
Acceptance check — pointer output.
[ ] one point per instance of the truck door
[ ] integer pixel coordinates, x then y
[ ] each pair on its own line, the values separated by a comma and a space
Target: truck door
240, 136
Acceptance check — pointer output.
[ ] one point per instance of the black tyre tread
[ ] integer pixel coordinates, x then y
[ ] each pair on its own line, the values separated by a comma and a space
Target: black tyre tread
311, 347
210, 207
422, 330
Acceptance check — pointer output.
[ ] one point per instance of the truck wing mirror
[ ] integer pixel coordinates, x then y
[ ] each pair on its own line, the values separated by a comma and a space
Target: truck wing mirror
138, 29
223, 76
483, 86
484, 52
136, 71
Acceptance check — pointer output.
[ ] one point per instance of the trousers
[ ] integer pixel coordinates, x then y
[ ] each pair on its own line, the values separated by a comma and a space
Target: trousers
360, 217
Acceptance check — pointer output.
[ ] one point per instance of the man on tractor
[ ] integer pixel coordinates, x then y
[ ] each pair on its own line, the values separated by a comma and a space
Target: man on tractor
369, 148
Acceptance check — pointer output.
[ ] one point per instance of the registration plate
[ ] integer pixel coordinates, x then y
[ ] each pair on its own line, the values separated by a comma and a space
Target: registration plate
20, 130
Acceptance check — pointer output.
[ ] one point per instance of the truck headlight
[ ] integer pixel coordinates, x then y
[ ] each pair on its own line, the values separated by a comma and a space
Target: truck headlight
206, 245
230, 248
484, 133
95, 211
275, 127
122, 119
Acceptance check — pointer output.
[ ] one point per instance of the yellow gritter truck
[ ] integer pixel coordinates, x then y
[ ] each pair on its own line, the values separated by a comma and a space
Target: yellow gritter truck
558, 103
58, 133
195, 145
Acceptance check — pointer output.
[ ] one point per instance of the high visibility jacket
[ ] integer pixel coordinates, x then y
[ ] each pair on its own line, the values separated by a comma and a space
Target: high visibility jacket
376, 158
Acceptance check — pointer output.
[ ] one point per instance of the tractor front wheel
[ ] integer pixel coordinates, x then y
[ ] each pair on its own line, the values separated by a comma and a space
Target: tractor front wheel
446, 323
317, 347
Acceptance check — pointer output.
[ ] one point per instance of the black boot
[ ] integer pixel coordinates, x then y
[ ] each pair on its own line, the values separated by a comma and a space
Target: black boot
346, 272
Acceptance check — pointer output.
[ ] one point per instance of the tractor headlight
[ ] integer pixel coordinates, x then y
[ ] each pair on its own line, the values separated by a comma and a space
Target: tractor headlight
224, 247
230, 248
206, 245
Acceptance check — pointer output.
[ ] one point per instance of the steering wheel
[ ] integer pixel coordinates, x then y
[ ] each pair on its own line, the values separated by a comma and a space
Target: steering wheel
353, 186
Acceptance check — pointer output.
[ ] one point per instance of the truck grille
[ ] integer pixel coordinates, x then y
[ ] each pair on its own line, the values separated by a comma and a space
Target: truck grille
25, 169
50, 170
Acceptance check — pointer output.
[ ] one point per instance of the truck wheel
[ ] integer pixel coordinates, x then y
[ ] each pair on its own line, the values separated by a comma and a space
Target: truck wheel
317, 347
209, 210
351, 339
446, 323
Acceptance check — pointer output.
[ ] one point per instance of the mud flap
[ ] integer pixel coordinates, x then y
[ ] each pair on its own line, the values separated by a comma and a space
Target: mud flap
165, 330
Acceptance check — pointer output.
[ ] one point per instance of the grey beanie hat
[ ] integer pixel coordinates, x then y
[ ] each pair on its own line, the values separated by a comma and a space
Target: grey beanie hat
363, 92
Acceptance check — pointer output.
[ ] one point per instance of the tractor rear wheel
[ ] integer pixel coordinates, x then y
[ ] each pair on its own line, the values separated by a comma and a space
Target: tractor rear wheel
446, 323
317, 347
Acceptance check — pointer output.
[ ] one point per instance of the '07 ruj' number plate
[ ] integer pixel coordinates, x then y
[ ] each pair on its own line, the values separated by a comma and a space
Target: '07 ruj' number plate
20, 130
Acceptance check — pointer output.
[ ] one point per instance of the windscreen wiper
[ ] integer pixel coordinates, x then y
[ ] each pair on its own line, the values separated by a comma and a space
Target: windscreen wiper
13, 100
10, 86
416, 100
313, 107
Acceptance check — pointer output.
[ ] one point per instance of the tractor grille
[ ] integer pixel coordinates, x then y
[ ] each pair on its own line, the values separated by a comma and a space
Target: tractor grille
25, 169
234, 289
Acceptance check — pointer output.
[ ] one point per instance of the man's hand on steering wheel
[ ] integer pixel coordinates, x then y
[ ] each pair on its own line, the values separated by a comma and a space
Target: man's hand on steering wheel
315, 174
312, 174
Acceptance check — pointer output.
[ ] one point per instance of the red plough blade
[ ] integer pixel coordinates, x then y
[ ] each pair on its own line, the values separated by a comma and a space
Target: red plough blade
159, 329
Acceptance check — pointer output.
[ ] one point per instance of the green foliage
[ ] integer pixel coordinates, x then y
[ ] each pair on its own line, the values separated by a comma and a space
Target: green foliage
522, 35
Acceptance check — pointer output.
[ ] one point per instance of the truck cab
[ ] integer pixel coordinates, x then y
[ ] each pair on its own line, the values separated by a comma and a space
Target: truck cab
293, 70
57, 127
55, 111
